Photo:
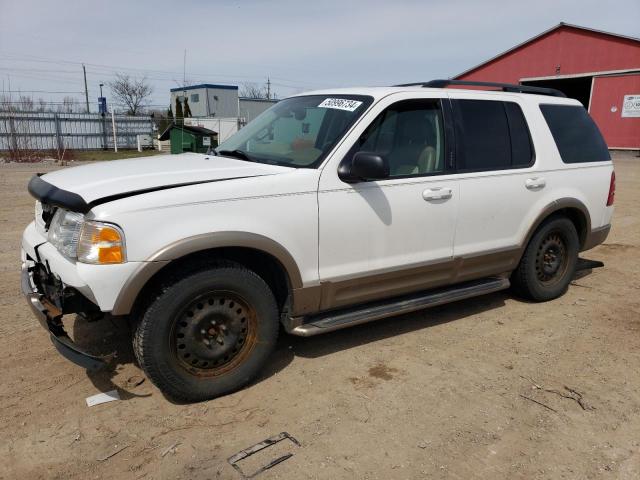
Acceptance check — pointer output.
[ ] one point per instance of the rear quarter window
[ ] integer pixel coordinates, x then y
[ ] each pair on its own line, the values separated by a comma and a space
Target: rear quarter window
576, 135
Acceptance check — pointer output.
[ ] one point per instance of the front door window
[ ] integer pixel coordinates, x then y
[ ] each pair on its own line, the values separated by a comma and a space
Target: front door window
410, 136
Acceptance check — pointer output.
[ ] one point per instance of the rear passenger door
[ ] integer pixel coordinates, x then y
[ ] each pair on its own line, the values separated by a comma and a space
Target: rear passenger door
495, 161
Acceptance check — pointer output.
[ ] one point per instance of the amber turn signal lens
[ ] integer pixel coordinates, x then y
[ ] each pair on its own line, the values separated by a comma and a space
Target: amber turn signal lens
101, 243
110, 255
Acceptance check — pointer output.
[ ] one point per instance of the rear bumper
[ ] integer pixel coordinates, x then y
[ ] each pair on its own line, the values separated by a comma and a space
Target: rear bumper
596, 236
50, 317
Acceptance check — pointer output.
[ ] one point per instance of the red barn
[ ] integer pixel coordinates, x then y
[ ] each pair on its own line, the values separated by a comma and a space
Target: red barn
600, 69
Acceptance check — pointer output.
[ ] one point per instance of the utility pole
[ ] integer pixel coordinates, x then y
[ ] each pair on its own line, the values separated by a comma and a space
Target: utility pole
86, 91
268, 88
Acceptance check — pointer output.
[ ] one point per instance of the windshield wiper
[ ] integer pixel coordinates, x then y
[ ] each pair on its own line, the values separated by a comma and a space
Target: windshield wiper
241, 154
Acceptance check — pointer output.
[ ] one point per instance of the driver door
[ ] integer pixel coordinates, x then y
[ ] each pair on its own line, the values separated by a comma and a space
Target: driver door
390, 237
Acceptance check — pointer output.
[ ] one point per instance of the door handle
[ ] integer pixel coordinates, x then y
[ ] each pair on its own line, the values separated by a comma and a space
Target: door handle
535, 183
437, 194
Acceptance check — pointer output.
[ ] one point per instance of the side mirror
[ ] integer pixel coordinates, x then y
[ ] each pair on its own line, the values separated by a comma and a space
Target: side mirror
362, 167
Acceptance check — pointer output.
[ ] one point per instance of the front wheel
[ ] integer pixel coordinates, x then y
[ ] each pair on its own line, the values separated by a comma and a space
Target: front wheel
549, 261
207, 334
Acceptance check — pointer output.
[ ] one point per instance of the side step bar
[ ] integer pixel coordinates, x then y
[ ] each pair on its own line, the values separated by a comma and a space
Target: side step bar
336, 320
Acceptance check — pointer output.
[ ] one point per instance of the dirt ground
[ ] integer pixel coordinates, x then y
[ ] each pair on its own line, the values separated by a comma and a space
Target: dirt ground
492, 387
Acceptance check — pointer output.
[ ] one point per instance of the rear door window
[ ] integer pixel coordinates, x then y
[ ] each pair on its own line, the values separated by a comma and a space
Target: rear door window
576, 135
491, 135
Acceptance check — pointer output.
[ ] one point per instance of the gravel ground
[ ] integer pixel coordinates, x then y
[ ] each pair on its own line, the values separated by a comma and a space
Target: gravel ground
492, 387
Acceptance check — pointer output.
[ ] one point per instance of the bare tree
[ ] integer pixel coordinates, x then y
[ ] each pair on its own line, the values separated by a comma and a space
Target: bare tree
25, 103
67, 105
187, 108
161, 119
253, 90
18, 142
5, 103
131, 92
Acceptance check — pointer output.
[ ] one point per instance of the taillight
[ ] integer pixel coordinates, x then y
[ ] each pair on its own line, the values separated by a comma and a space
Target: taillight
612, 189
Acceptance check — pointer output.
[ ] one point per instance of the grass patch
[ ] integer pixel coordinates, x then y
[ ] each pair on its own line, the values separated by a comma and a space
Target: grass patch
102, 155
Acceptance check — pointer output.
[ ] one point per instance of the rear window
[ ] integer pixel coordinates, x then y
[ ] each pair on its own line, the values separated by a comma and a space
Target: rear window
576, 134
491, 135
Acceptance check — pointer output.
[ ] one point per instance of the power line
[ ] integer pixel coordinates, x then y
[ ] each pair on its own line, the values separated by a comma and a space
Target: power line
36, 70
39, 91
106, 72
293, 83
48, 78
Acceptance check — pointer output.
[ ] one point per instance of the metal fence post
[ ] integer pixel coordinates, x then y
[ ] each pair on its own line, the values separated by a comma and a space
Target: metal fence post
151, 135
13, 138
104, 132
115, 138
58, 133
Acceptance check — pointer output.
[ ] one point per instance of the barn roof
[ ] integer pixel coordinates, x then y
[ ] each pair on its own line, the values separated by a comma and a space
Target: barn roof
542, 34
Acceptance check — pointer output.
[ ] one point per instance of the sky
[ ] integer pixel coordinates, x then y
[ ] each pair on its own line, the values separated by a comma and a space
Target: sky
299, 45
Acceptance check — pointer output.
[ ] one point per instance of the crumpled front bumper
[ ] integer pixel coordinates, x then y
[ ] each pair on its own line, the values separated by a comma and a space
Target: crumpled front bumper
50, 317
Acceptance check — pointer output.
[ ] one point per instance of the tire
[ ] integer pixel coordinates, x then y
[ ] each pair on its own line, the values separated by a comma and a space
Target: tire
549, 261
207, 334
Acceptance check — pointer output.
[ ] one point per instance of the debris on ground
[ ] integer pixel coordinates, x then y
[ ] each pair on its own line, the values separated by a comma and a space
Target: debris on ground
170, 449
111, 454
135, 381
247, 452
76, 438
102, 398
539, 403
571, 394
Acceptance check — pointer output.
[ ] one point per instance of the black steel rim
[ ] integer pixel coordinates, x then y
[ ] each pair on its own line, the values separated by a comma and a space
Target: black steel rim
551, 259
213, 333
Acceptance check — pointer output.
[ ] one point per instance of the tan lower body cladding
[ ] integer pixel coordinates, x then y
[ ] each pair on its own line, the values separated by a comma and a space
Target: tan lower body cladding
343, 292
391, 283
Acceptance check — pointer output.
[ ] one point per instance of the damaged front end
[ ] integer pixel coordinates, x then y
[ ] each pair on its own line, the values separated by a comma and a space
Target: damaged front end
49, 300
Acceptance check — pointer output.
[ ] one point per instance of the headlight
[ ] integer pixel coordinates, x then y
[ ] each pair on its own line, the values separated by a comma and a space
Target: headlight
87, 240
101, 243
64, 231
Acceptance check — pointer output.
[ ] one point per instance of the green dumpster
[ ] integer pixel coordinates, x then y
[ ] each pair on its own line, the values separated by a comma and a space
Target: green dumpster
189, 138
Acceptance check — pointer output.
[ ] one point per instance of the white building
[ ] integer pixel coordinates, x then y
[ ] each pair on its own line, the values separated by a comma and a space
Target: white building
220, 101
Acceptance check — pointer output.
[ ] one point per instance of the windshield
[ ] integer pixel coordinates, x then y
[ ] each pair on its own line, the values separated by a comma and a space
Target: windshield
297, 131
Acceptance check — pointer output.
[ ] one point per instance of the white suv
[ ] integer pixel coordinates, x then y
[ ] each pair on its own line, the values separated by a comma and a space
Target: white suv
331, 209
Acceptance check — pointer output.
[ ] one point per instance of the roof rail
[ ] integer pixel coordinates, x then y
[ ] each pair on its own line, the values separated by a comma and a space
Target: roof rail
505, 87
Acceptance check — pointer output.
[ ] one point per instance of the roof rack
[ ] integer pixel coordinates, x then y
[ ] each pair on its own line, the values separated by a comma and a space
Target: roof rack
505, 87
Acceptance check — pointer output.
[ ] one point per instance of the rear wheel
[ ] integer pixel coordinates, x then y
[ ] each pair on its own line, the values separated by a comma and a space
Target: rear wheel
549, 261
207, 334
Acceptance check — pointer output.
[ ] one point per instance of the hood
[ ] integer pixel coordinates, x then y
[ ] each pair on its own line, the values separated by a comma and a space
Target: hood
104, 181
